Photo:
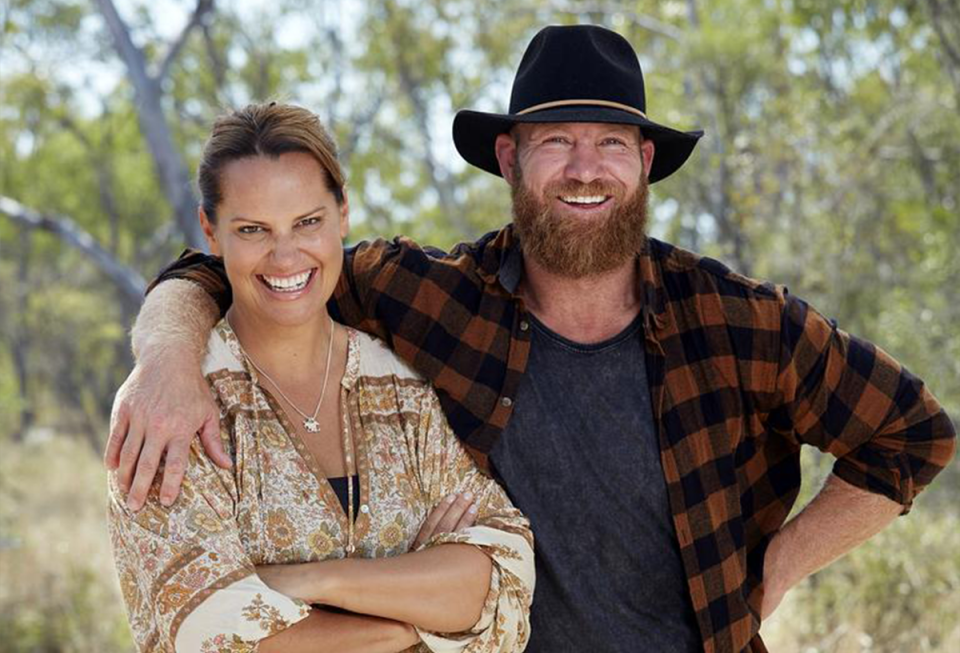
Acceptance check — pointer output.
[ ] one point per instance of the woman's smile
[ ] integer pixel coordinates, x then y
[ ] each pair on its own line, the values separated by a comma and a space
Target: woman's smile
290, 286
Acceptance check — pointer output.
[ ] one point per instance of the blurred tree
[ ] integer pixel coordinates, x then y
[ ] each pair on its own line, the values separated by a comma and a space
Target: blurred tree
828, 163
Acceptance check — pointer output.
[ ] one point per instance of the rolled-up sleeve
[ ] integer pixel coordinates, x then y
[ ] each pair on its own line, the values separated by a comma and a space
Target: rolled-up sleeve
186, 580
850, 398
501, 532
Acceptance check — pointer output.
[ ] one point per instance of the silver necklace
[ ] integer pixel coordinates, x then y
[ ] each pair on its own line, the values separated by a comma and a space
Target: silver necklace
309, 421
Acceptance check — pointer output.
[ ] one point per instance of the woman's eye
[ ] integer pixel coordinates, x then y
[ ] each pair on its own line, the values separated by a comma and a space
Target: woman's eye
250, 229
309, 222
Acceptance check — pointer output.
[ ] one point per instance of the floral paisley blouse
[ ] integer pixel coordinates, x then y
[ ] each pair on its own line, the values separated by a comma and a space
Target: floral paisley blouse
187, 572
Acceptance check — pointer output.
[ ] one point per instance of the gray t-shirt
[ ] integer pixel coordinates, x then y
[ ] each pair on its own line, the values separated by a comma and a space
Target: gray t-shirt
580, 457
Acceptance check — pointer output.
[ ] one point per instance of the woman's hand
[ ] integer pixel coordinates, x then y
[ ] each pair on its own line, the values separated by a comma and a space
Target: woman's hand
454, 513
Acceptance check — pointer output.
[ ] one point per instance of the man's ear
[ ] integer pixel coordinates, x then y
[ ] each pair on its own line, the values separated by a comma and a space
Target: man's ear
344, 214
505, 148
647, 150
208, 231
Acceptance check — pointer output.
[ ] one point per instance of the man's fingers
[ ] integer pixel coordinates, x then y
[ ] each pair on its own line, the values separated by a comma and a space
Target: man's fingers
130, 454
146, 469
174, 467
119, 423
212, 444
448, 523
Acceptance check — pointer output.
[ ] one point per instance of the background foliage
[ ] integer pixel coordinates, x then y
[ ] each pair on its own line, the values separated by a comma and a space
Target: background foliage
830, 164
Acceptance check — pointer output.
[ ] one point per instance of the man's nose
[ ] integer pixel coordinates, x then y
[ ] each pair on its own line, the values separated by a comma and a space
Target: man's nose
585, 163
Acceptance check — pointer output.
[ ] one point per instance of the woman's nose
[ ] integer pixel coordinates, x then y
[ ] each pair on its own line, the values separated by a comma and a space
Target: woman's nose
284, 246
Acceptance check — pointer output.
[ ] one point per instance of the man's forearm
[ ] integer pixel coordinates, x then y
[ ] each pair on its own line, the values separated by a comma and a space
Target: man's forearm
839, 518
175, 320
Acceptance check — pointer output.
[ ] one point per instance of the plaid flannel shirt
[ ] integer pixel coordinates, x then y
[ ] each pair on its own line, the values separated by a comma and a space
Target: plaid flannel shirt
741, 374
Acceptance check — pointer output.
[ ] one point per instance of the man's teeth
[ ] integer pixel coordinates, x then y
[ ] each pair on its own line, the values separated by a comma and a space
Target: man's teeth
589, 199
288, 284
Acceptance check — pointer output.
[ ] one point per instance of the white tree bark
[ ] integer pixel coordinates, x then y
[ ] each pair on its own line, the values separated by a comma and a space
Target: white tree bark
171, 168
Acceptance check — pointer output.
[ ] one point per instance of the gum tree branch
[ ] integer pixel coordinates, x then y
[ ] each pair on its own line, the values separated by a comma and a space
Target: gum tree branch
203, 8
171, 168
131, 283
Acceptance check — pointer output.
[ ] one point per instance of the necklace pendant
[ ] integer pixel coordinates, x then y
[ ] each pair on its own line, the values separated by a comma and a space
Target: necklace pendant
311, 425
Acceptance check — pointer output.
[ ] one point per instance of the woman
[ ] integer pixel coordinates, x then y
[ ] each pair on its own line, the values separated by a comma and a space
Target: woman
340, 450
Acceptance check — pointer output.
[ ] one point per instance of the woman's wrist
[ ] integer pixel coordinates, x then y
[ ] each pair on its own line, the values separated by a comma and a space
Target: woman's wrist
325, 581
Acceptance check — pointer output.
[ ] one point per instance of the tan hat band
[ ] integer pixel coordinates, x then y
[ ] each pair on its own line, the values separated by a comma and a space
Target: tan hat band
595, 103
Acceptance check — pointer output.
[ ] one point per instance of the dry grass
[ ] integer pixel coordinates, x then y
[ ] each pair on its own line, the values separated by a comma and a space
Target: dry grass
57, 585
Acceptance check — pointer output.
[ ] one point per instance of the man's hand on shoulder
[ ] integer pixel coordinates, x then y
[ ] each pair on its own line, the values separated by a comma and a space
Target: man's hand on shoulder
156, 414
165, 401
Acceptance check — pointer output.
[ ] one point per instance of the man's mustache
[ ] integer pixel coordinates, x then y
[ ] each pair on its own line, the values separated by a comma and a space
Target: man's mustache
571, 187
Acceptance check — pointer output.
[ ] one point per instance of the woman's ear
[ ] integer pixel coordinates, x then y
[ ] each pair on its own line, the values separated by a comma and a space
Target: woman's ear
208, 231
344, 215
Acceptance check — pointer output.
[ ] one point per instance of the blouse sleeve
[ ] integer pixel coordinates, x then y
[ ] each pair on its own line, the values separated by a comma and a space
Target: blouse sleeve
501, 531
186, 580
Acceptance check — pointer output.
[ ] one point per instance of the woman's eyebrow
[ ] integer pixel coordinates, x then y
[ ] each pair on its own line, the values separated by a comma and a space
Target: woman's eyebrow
319, 209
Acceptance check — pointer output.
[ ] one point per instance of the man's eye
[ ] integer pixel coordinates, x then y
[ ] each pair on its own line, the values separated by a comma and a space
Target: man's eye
614, 141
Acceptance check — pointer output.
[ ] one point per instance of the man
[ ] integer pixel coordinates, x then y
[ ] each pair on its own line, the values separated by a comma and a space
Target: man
644, 406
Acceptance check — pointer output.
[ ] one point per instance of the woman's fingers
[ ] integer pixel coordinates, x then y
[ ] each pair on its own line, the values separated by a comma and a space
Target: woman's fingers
448, 523
430, 523
468, 518
451, 514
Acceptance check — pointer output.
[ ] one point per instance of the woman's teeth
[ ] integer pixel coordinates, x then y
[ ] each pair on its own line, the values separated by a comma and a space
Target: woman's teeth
292, 283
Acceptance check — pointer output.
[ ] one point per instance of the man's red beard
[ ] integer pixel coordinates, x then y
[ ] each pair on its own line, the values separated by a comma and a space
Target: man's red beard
574, 248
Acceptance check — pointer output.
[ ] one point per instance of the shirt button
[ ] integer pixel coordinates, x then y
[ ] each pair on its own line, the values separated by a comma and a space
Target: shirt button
524, 325
506, 402
364, 508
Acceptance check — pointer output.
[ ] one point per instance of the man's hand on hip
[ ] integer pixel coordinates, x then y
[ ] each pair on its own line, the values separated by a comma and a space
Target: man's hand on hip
840, 518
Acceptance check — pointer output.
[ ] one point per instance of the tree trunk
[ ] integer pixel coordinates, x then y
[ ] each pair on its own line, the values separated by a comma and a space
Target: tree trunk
21, 338
170, 166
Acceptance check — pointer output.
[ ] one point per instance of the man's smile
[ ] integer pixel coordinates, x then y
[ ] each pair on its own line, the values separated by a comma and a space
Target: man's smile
584, 201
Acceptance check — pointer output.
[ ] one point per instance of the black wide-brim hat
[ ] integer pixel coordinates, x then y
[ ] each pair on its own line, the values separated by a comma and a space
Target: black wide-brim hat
576, 73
